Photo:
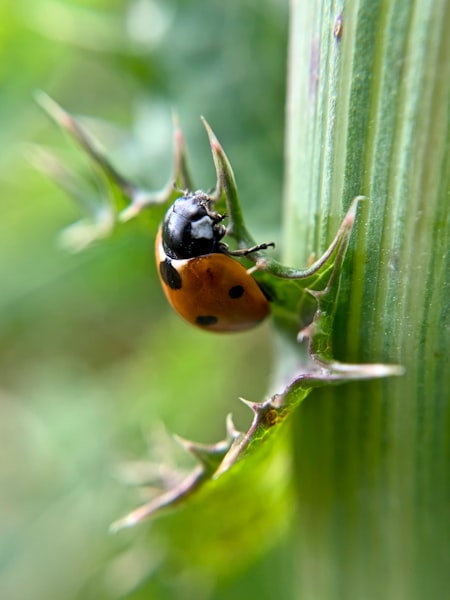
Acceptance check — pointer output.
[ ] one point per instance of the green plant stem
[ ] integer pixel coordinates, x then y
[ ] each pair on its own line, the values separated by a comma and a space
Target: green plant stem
368, 113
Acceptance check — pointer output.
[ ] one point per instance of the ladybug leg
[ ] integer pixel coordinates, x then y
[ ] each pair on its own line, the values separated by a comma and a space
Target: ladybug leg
245, 251
260, 265
215, 216
183, 192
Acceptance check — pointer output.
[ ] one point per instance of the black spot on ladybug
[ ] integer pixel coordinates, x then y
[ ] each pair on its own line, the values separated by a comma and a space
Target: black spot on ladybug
236, 291
206, 320
170, 275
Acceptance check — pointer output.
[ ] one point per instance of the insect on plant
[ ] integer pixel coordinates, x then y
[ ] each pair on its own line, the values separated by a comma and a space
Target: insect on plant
206, 282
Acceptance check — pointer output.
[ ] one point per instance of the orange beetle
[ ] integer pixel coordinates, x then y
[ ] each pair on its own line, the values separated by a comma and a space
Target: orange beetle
200, 279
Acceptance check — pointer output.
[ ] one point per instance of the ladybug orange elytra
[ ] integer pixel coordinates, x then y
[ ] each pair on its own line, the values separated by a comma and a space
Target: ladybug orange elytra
200, 279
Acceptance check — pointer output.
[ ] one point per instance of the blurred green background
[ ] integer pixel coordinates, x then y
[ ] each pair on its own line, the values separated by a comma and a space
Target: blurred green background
91, 357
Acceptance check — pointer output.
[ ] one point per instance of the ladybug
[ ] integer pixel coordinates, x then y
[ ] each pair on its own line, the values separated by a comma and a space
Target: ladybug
200, 279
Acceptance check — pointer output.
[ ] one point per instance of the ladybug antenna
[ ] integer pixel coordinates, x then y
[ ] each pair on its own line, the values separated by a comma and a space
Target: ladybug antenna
177, 189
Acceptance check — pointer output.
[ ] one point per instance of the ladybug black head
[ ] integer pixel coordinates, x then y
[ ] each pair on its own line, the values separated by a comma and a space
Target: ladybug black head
190, 228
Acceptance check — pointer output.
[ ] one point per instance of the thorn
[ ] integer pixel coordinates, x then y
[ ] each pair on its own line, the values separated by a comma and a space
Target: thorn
53, 109
183, 442
130, 520
317, 294
351, 213
305, 333
253, 406
209, 131
232, 432
176, 120
208, 455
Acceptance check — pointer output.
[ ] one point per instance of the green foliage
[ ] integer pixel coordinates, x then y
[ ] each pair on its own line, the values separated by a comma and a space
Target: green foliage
355, 493
91, 356
373, 504
287, 287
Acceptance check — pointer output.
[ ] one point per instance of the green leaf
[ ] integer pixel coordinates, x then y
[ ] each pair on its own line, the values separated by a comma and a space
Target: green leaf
288, 287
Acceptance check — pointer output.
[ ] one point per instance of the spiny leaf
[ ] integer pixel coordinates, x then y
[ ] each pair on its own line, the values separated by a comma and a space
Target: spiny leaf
302, 299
